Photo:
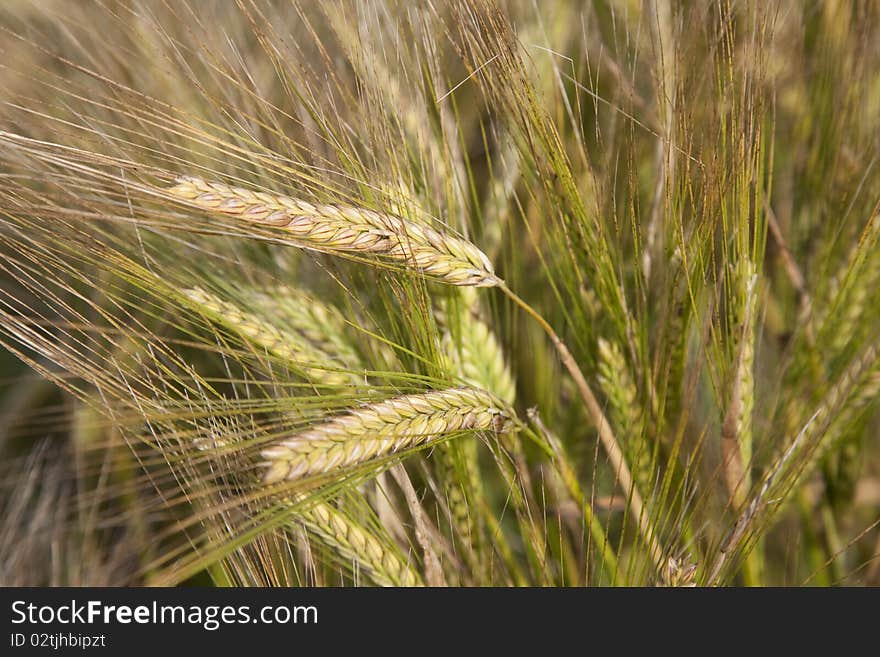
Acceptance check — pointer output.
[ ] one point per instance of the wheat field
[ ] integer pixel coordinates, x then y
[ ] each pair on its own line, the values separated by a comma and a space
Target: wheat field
439, 293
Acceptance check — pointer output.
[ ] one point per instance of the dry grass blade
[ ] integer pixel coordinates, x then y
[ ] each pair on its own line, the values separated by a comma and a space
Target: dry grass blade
347, 229
383, 429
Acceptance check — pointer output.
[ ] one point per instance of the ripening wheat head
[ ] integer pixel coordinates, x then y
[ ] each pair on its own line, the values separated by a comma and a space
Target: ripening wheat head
383, 429
347, 229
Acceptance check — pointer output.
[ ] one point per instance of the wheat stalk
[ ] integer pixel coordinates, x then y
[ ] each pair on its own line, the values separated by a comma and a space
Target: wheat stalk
346, 229
382, 429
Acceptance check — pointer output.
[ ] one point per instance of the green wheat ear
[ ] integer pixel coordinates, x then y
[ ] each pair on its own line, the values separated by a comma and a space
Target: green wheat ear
625, 412
308, 341
353, 542
378, 430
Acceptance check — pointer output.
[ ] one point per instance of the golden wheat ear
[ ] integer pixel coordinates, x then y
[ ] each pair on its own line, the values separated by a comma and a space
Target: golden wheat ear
382, 429
347, 229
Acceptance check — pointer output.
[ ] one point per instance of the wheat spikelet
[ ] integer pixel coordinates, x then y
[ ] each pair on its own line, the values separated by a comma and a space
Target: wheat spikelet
288, 345
678, 573
351, 541
382, 429
346, 229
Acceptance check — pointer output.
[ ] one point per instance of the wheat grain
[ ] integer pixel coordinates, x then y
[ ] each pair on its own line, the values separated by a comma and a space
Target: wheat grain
382, 429
346, 229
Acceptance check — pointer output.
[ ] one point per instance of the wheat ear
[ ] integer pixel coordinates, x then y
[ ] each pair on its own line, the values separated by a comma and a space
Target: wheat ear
320, 324
857, 386
617, 383
292, 346
471, 346
345, 536
475, 355
677, 332
346, 229
383, 429
351, 541
736, 425
839, 318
